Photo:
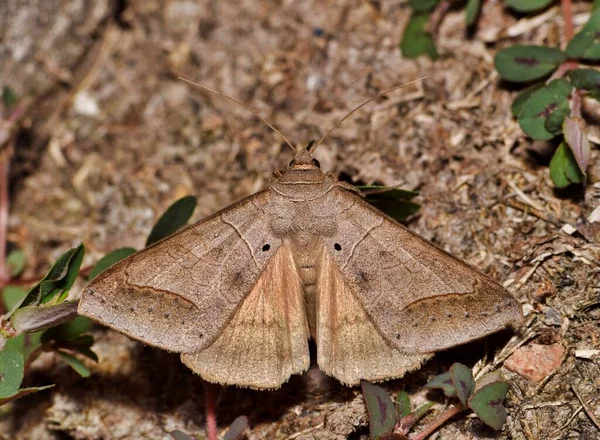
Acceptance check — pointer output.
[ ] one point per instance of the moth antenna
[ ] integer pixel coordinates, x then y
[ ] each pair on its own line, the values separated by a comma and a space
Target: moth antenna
338, 123
263, 120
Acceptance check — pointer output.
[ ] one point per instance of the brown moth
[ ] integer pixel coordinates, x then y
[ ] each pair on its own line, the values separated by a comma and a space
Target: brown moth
240, 293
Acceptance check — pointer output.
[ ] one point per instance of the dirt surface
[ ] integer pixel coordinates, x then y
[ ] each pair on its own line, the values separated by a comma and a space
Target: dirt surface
112, 137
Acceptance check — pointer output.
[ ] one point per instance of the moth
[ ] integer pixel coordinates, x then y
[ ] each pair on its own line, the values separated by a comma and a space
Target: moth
240, 293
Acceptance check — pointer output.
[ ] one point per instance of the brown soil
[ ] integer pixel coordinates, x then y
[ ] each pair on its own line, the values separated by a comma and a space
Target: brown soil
111, 137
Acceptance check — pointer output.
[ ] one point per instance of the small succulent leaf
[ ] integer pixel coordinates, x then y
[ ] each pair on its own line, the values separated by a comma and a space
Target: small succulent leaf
564, 169
586, 79
11, 372
488, 403
15, 262
522, 63
522, 98
541, 105
110, 259
444, 383
180, 435
472, 11
68, 330
423, 5
387, 192
23, 392
393, 436
381, 409
422, 410
411, 419
74, 363
416, 41
81, 345
59, 278
23, 344
493, 376
462, 379
176, 216
576, 139
393, 201
586, 44
35, 318
9, 98
527, 5
403, 405
554, 122
237, 428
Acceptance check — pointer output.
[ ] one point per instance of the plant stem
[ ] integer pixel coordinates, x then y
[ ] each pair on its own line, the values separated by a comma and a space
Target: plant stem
567, 13
211, 417
4, 164
442, 418
437, 16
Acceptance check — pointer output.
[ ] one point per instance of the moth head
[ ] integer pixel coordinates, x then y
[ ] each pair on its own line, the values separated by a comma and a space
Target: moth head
304, 161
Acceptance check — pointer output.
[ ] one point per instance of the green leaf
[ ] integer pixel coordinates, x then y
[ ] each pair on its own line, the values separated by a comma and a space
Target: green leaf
586, 43
58, 280
472, 11
34, 318
68, 330
237, 428
176, 216
9, 99
564, 170
12, 296
394, 202
527, 5
15, 262
554, 122
423, 5
110, 259
80, 344
586, 79
422, 410
180, 435
11, 372
526, 63
403, 406
381, 409
523, 97
541, 105
576, 139
462, 379
23, 392
416, 40
74, 363
444, 383
488, 403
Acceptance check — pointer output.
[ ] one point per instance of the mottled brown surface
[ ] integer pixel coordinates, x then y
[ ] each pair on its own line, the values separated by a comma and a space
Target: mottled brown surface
112, 138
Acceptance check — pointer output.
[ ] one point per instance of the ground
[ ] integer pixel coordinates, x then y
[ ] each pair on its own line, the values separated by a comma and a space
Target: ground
111, 137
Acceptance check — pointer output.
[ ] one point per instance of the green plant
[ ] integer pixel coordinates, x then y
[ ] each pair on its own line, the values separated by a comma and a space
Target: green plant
391, 420
421, 29
42, 319
235, 431
551, 109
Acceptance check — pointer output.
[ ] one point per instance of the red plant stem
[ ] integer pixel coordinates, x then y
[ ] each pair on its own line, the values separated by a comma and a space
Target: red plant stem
443, 418
576, 101
211, 417
567, 13
436, 17
4, 164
